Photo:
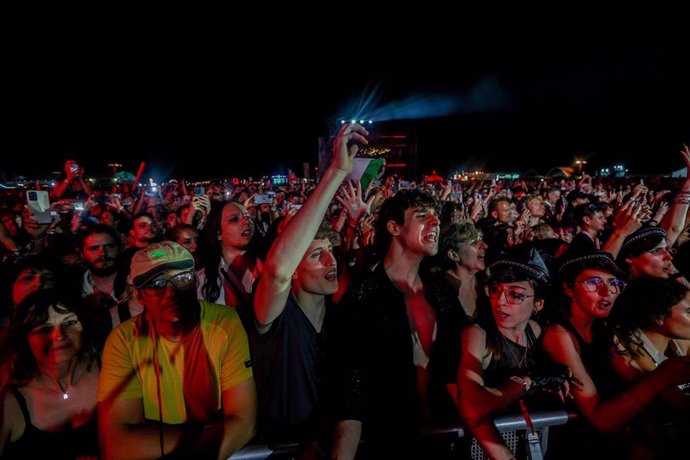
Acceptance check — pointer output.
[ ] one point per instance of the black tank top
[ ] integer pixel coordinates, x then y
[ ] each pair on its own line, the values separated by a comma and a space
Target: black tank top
66, 444
514, 359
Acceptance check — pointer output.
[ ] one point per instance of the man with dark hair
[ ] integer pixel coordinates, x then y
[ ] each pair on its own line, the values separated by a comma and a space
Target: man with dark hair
381, 348
143, 231
592, 222
100, 248
176, 379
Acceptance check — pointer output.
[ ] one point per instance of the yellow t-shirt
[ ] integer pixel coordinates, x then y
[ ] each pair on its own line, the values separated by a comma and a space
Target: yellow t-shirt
129, 370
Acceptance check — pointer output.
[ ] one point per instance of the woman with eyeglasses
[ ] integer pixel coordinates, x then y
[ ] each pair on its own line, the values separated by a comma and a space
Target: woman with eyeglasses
49, 405
581, 340
499, 351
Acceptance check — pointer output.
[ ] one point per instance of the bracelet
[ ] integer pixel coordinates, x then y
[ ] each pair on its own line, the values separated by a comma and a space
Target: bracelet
520, 380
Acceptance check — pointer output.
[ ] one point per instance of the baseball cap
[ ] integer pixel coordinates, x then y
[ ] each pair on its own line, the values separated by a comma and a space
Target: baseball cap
151, 261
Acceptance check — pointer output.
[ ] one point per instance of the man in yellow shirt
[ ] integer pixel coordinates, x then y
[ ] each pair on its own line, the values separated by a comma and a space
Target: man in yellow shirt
178, 378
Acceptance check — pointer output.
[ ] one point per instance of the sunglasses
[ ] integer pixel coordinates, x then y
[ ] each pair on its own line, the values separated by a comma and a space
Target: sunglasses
181, 282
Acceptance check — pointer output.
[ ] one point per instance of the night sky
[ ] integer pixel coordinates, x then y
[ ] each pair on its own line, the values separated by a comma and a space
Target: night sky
263, 109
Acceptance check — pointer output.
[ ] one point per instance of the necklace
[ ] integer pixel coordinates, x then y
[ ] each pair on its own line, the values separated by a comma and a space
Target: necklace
522, 362
64, 392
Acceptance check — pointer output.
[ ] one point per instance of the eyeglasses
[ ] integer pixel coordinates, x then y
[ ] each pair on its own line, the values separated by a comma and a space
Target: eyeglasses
514, 296
594, 284
181, 282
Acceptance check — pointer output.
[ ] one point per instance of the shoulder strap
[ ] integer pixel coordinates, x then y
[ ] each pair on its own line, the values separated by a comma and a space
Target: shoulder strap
237, 285
531, 338
22, 405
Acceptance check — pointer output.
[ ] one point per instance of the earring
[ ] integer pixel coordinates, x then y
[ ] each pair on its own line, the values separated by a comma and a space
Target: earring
659, 322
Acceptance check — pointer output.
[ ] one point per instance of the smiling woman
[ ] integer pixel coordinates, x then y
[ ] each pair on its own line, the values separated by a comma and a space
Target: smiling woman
50, 405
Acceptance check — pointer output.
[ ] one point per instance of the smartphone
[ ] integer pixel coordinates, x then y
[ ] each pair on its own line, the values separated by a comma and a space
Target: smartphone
39, 205
74, 167
263, 199
100, 199
116, 195
199, 190
296, 206
78, 205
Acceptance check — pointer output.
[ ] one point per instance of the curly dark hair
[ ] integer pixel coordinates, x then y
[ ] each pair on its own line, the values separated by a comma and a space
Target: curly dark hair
394, 209
32, 312
643, 302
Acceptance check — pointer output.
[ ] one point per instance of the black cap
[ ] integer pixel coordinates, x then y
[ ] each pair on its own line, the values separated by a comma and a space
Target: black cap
572, 265
642, 240
521, 263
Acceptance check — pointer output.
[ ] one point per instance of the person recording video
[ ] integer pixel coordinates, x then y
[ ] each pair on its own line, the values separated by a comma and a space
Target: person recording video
73, 186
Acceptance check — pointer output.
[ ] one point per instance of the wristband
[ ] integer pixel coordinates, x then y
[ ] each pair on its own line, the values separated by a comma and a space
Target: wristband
520, 380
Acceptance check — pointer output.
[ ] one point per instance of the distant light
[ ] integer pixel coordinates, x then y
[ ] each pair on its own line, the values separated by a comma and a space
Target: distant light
342, 122
354, 121
370, 122
154, 188
361, 122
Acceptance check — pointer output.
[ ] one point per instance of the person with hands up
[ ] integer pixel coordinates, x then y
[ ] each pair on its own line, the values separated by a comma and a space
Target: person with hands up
292, 304
73, 185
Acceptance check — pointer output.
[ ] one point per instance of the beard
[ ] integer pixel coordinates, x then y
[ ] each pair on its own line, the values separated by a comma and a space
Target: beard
106, 271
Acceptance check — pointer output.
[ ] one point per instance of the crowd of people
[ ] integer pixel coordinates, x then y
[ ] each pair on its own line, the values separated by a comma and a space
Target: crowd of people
344, 318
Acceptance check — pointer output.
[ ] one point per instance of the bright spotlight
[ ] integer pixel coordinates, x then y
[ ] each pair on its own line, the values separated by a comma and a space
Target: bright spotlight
354, 121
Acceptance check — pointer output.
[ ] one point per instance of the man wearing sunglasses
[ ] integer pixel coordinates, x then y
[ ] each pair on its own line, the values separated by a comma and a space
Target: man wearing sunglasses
178, 378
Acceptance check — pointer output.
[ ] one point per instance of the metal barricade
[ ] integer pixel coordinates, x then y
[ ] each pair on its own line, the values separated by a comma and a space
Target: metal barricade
513, 428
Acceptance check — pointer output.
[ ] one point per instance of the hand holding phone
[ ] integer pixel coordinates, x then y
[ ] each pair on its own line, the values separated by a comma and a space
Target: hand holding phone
39, 206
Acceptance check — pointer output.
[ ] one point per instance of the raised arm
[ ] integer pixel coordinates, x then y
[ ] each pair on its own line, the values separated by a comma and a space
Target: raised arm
674, 220
288, 249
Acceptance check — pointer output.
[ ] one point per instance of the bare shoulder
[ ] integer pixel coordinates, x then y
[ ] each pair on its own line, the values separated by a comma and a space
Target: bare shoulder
536, 328
12, 423
474, 333
560, 343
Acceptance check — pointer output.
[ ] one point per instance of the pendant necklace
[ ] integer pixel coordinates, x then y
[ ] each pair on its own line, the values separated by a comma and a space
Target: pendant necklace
522, 362
65, 392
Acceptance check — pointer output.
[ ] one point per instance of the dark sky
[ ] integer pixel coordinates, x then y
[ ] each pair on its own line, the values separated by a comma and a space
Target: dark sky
518, 105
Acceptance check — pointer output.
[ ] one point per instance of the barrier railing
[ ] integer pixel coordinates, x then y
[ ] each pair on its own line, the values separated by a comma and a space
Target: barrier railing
505, 424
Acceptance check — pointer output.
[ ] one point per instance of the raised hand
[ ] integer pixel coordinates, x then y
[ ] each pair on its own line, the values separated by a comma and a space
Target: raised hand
351, 199
342, 154
628, 218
